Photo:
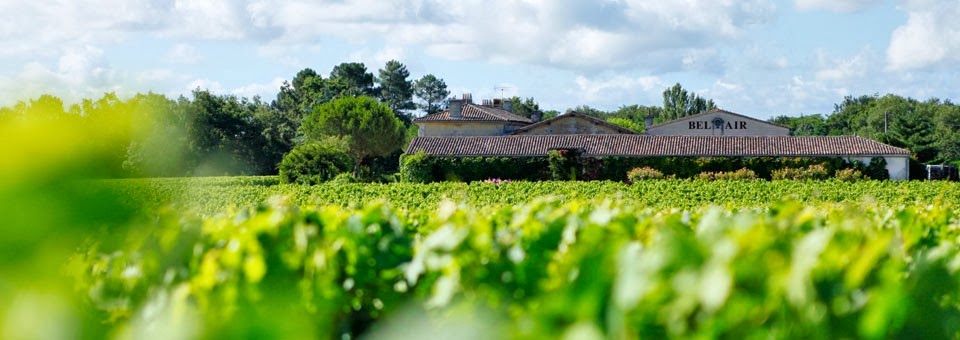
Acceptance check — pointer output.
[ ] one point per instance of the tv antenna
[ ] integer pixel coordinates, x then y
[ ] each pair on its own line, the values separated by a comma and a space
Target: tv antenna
501, 89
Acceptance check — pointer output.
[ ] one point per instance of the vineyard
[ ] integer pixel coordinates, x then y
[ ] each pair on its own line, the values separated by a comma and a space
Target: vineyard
212, 195
246, 257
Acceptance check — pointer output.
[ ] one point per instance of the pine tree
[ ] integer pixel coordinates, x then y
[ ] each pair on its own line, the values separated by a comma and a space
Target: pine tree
396, 90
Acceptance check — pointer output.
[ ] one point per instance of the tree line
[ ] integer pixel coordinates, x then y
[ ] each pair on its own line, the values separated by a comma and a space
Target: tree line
929, 129
220, 134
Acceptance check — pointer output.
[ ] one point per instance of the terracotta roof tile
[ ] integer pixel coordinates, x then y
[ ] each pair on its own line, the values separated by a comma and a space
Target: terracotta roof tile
472, 112
645, 145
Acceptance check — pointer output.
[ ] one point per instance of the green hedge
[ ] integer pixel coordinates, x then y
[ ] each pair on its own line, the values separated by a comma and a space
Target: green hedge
568, 165
420, 168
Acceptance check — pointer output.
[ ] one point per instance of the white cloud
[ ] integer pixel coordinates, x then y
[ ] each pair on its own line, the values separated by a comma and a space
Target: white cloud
84, 73
183, 54
586, 46
204, 84
376, 59
210, 19
845, 6
578, 35
266, 91
839, 70
619, 86
730, 87
929, 39
83, 66
572, 34
80, 72
35, 28
155, 76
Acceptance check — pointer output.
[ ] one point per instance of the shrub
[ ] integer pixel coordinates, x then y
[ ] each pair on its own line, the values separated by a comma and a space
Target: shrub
878, 168
741, 174
313, 163
416, 168
706, 175
849, 175
569, 164
564, 164
345, 177
815, 171
639, 174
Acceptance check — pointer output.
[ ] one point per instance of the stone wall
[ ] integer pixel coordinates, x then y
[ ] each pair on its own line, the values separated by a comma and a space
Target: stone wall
466, 128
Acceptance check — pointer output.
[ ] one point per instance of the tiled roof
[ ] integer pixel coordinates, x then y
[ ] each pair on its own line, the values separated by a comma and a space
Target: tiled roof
704, 113
646, 145
472, 112
573, 114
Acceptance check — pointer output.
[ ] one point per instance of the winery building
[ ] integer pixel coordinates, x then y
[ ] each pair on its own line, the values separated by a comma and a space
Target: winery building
491, 129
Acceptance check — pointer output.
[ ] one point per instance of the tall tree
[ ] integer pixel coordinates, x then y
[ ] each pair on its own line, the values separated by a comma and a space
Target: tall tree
45, 107
296, 100
225, 136
311, 90
525, 107
111, 117
850, 116
678, 103
396, 90
808, 125
947, 122
914, 131
160, 146
279, 132
637, 114
369, 128
627, 123
351, 79
432, 91
587, 110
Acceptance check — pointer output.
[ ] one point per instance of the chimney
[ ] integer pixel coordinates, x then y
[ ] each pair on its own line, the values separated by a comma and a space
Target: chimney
648, 120
467, 98
508, 105
456, 108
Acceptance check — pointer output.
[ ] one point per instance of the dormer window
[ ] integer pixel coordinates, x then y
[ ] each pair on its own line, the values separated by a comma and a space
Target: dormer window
718, 123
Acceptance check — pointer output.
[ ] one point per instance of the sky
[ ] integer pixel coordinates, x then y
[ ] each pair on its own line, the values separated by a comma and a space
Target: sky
760, 58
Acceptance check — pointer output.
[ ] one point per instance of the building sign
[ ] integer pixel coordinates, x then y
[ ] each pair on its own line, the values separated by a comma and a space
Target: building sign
716, 123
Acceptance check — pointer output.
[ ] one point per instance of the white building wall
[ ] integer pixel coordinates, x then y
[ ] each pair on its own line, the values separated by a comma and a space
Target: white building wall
897, 166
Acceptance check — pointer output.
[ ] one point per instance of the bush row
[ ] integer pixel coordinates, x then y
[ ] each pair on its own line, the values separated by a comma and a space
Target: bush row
569, 165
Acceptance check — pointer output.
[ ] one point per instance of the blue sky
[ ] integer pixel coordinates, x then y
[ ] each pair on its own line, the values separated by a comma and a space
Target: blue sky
756, 57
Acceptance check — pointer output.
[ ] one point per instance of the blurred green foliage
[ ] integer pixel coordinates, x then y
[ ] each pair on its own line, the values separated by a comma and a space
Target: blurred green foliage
548, 268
